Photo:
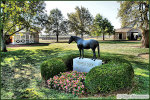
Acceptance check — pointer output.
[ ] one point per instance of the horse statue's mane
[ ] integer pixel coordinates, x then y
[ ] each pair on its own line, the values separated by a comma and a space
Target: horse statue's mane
76, 37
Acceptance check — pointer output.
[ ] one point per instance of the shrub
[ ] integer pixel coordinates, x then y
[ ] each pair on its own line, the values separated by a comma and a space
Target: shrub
112, 76
68, 60
139, 38
30, 93
52, 67
70, 82
128, 37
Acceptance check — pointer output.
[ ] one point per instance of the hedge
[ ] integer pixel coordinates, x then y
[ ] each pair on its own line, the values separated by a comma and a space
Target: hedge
52, 67
114, 75
68, 60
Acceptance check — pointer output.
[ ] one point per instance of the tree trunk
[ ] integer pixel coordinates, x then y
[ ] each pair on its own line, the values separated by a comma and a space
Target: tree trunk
57, 37
3, 40
145, 38
57, 33
3, 44
103, 36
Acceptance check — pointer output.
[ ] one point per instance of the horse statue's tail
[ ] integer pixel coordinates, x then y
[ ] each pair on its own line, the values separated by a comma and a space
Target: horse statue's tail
98, 48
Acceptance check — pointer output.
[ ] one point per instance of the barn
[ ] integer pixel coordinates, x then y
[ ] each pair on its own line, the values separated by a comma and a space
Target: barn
24, 38
127, 33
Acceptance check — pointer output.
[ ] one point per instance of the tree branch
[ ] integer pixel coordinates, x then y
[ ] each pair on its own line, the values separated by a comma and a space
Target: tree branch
10, 29
15, 32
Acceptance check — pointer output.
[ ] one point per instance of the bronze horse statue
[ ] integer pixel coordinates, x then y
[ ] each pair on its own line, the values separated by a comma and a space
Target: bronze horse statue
86, 44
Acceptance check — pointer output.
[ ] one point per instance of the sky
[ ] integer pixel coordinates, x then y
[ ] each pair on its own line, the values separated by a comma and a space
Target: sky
107, 9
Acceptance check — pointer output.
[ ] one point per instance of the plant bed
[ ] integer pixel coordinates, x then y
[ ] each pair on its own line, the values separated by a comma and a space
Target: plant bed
115, 74
70, 82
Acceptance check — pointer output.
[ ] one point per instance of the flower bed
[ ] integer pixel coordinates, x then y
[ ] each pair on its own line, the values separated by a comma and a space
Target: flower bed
113, 75
70, 82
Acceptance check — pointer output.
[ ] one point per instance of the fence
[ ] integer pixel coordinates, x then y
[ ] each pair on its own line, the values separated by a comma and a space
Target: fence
67, 37
60, 37
54, 38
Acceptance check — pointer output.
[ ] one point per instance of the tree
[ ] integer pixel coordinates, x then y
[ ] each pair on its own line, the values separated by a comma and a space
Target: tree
110, 29
136, 14
57, 24
101, 26
19, 15
80, 21
96, 27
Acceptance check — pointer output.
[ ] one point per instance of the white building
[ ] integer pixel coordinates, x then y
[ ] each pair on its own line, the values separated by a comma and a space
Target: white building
24, 38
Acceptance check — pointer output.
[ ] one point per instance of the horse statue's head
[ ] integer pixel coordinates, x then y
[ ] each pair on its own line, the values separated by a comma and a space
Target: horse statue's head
71, 39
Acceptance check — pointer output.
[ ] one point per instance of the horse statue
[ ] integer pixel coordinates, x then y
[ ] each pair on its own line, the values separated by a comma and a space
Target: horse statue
85, 44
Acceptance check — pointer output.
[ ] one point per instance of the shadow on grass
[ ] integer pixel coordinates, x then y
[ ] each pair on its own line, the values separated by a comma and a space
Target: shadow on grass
119, 42
28, 56
29, 44
62, 42
130, 58
111, 42
16, 75
55, 94
141, 85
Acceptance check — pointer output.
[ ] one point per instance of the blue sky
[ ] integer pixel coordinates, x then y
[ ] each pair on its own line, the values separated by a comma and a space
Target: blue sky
108, 9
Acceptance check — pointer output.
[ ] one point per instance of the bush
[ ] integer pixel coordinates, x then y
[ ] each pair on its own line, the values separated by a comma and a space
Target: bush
112, 76
70, 82
139, 38
68, 60
31, 93
52, 67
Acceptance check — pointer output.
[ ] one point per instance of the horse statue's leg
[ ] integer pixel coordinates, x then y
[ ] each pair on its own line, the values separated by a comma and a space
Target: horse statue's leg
94, 54
82, 53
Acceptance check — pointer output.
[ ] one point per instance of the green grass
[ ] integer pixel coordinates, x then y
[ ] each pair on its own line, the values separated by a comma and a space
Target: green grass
21, 67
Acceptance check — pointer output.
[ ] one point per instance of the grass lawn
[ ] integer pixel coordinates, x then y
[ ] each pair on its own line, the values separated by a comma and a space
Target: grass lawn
21, 67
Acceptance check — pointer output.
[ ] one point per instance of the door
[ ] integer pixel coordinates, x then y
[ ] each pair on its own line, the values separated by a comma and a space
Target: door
31, 39
17, 39
120, 35
132, 36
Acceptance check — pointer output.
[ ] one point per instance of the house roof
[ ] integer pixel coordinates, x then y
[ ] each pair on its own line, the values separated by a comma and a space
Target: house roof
25, 33
123, 30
